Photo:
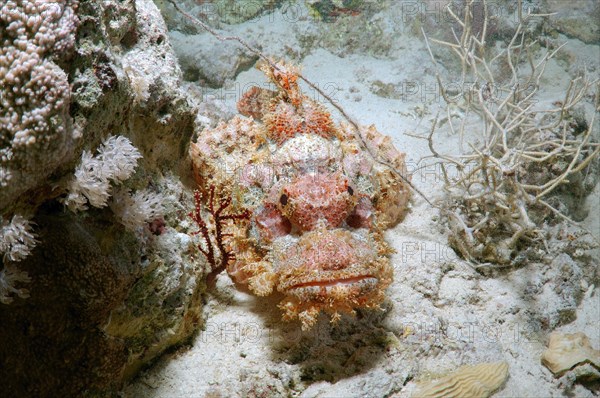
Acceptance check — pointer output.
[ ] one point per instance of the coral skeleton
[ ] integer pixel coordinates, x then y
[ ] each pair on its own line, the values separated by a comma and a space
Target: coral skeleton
501, 193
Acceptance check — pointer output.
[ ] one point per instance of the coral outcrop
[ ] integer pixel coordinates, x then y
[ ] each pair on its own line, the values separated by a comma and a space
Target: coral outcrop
36, 130
91, 116
577, 20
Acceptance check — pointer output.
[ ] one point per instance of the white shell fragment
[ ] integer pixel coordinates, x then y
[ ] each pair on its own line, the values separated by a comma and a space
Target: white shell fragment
468, 381
566, 351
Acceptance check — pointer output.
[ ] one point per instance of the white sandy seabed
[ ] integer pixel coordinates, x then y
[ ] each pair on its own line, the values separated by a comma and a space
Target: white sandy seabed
440, 313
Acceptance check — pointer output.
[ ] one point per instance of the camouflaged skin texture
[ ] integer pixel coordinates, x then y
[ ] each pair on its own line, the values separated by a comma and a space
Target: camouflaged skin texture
318, 200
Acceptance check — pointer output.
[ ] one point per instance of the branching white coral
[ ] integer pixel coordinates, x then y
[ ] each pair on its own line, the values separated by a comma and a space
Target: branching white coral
89, 183
134, 211
116, 161
504, 186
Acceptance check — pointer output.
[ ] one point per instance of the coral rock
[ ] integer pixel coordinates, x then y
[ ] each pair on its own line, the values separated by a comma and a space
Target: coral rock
36, 133
128, 296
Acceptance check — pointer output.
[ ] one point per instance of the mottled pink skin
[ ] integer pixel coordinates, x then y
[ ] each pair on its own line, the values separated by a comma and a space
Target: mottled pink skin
362, 215
313, 198
271, 223
355, 163
259, 174
329, 253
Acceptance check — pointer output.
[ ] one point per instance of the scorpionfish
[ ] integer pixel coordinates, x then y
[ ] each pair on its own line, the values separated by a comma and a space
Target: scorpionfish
316, 198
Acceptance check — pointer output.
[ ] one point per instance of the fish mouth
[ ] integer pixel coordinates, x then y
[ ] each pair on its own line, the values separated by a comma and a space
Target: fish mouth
334, 289
348, 281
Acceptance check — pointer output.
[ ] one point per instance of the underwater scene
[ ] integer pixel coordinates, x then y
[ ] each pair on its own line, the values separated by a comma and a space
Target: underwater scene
299, 198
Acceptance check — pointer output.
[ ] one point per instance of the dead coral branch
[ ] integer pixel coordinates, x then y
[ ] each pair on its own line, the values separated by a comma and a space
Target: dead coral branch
504, 188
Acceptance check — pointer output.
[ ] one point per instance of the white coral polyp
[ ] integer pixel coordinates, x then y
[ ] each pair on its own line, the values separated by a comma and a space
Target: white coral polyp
119, 158
134, 211
116, 161
16, 238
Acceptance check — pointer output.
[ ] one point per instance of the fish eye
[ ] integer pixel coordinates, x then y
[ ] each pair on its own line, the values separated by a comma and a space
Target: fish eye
350, 190
283, 199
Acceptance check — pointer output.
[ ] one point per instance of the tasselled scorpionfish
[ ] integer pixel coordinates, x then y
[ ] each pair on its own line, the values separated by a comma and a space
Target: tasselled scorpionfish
317, 201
